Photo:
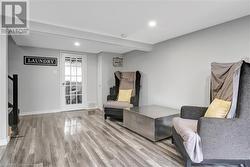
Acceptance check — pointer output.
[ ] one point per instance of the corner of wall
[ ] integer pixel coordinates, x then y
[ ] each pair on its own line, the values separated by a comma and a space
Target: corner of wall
4, 90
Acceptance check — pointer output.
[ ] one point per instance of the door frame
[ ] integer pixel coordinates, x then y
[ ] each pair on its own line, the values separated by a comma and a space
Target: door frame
84, 105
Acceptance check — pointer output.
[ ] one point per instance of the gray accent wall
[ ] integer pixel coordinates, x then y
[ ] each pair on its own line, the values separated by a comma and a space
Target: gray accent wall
39, 86
177, 71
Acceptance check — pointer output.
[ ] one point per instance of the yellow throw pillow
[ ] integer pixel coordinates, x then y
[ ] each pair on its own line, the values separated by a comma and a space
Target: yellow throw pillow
218, 109
125, 95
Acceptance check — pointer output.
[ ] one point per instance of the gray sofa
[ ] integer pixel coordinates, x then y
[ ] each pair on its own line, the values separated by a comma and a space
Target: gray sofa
224, 141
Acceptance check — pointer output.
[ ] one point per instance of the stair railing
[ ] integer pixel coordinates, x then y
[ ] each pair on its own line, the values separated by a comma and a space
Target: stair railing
15, 118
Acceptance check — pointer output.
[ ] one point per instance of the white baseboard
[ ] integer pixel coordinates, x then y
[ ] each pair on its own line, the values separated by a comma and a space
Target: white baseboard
4, 142
39, 112
55, 111
99, 108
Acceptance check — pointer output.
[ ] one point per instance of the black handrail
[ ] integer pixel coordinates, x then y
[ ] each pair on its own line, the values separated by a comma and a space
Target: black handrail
10, 77
15, 119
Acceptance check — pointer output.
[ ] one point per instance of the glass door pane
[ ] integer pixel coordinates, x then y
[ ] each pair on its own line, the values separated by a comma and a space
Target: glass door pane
73, 80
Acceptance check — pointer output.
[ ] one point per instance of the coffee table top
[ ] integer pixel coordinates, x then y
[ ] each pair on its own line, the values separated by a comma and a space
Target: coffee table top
153, 111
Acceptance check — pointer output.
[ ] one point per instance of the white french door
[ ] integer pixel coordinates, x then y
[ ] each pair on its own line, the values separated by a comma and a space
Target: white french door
73, 81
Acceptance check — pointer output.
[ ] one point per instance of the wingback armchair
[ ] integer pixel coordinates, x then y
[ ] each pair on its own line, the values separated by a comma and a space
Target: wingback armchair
113, 108
223, 140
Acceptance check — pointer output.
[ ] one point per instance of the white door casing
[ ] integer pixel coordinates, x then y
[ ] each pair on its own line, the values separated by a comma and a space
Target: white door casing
73, 81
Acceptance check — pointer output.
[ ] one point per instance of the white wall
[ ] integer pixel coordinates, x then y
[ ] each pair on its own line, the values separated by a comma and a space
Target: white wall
3, 90
39, 86
106, 75
177, 71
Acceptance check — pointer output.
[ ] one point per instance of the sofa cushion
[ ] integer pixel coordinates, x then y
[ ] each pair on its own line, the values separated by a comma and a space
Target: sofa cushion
218, 108
117, 104
124, 95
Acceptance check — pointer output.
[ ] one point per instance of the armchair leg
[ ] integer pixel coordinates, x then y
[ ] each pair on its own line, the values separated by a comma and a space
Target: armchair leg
188, 163
105, 116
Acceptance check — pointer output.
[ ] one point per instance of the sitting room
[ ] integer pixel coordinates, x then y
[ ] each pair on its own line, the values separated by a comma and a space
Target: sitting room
125, 83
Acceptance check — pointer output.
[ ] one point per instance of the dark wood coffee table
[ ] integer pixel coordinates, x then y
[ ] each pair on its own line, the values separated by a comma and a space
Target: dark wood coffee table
153, 122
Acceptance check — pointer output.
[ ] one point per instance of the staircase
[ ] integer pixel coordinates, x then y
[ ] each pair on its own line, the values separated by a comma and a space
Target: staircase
13, 107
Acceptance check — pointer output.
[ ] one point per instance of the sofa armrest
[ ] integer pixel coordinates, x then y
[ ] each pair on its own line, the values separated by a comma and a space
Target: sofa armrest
192, 112
224, 138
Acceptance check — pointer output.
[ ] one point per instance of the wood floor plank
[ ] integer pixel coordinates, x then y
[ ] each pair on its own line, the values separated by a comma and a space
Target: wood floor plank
84, 139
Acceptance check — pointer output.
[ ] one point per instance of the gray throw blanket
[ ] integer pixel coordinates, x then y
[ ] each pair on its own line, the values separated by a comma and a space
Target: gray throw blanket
225, 83
222, 75
187, 129
127, 80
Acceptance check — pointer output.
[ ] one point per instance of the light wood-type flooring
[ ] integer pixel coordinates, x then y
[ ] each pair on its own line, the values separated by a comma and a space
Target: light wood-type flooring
82, 139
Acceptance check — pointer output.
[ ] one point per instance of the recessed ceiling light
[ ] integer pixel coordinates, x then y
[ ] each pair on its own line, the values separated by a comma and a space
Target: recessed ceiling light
77, 44
124, 35
152, 23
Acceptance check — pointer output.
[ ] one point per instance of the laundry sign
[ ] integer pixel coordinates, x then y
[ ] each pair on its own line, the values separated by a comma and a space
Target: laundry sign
40, 61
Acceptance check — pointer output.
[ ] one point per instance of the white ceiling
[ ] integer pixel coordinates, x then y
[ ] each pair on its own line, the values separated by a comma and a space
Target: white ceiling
110, 19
